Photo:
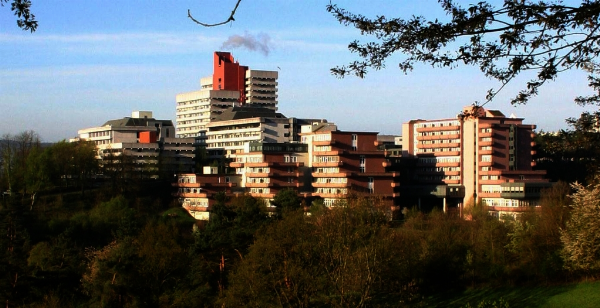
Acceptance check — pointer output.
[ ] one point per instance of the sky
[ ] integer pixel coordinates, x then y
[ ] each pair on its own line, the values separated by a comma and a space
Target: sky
93, 61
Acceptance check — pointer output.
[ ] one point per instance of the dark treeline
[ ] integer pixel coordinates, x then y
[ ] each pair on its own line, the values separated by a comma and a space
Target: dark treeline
71, 240
139, 249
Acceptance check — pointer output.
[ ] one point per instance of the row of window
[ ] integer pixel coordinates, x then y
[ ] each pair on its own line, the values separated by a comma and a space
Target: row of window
438, 124
490, 177
434, 150
259, 180
326, 159
433, 160
332, 180
192, 121
193, 202
327, 190
225, 144
234, 135
260, 190
105, 133
322, 137
508, 202
440, 133
440, 141
192, 102
322, 148
440, 169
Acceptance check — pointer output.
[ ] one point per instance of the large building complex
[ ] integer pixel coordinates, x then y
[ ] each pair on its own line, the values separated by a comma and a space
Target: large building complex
147, 143
235, 127
480, 156
231, 85
346, 162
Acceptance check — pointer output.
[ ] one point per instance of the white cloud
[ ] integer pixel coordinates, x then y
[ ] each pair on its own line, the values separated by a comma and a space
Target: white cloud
119, 43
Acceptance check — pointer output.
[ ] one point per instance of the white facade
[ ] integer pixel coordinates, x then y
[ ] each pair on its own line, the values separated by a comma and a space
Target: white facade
196, 109
233, 135
261, 88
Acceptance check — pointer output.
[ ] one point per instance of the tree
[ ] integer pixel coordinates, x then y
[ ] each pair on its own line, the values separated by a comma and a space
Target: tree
287, 200
581, 236
26, 20
230, 18
503, 41
571, 155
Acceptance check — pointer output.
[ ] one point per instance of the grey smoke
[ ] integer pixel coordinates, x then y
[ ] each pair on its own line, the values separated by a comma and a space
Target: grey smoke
260, 42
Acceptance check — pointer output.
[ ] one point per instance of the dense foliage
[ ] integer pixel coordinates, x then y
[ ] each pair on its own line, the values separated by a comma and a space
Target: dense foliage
572, 154
69, 240
503, 41
22, 9
94, 250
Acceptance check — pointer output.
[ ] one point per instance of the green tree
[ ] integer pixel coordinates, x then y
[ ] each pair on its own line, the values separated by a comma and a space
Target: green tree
571, 155
503, 41
14, 246
22, 8
581, 236
85, 163
287, 200
343, 257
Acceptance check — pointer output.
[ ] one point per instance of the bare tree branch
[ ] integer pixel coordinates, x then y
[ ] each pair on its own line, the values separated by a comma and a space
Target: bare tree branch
231, 17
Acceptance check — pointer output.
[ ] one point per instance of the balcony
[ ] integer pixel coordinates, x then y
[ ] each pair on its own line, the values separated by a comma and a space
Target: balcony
236, 165
260, 195
258, 175
329, 196
447, 153
190, 195
492, 182
327, 153
257, 164
324, 142
196, 208
438, 145
514, 209
383, 174
451, 181
258, 185
438, 137
326, 185
331, 175
488, 195
437, 128
287, 164
328, 164
190, 185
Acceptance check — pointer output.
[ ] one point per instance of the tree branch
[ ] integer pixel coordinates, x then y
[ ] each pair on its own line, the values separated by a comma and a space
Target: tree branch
231, 17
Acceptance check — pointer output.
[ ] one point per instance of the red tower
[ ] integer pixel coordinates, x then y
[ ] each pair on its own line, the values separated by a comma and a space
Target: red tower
228, 74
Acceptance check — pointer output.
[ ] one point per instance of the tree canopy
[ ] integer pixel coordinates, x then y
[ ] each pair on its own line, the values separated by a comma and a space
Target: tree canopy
26, 20
518, 36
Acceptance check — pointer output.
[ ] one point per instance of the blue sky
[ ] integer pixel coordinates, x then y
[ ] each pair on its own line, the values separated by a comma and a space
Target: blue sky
92, 61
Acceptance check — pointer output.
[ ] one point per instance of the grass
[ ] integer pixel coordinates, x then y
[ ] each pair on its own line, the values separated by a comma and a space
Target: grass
580, 295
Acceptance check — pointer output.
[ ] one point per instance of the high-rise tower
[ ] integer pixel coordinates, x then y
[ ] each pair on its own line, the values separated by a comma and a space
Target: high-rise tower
231, 84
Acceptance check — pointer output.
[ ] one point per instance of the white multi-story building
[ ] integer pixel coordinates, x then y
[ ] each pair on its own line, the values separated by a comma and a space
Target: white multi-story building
230, 85
147, 142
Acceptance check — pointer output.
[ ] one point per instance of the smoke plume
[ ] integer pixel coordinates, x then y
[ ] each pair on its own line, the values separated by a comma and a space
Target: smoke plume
259, 42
